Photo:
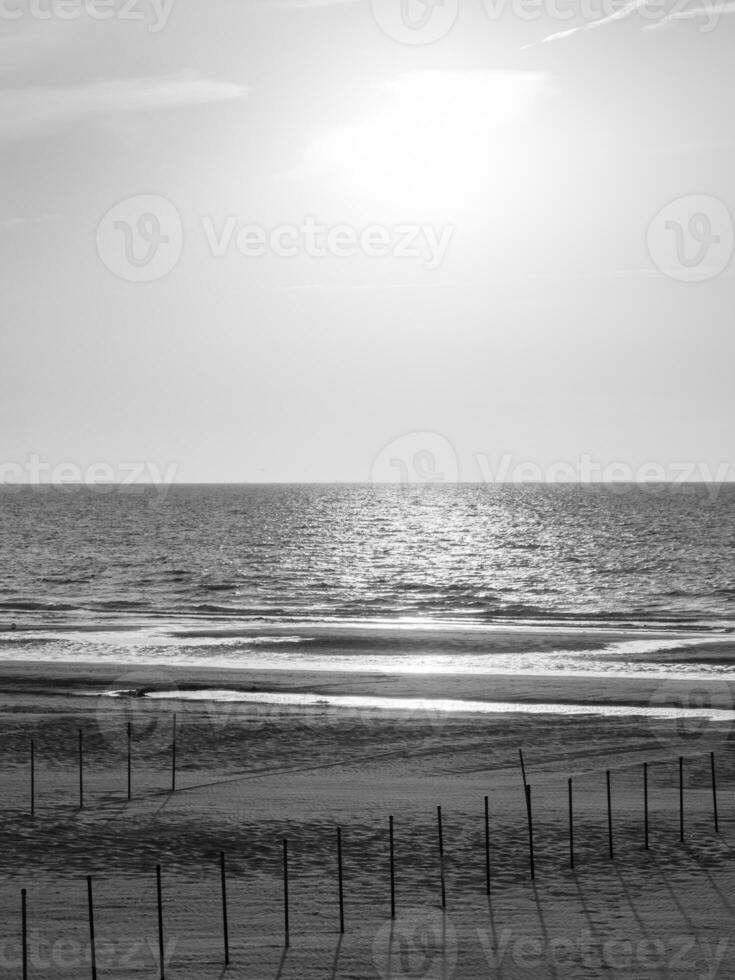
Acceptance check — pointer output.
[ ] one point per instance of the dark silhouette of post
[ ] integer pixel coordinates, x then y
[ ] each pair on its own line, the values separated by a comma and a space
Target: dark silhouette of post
339, 878
681, 798
225, 930
392, 871
609, 815
487, 847
571, 826
441, 855
523, 768
645, 802
81, 771
161, 948
24, 932
92, 951
714, 790
529, 813
173, 756
33, 779
285, 892
130, 762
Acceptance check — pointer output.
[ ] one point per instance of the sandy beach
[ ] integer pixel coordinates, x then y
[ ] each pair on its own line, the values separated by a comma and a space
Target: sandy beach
251, 774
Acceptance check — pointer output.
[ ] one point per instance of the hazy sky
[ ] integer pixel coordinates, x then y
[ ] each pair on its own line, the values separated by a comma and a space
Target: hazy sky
339, 223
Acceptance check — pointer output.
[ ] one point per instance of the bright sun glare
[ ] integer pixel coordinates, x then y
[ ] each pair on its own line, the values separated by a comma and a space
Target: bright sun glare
435, 140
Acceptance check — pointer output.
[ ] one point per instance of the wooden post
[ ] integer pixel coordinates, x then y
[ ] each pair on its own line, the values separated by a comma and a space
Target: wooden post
285, 891
714, 790
523, 768
392, 872
487, 847
33, 779
161, 948
645, 801
130, 762
530, 831
173, 757
339, 872
609, 815
224, 906
93, 954
81, 771
681, 798
571, 826
24, 933
441, 855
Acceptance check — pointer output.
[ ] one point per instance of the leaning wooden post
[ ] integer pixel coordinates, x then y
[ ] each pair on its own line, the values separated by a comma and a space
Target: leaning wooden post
571, 826
130, 762
33, 779
392, 871
487, 847
285, 893
441, 855
224, 906
90, 904
24, 933
339, 874
609, 815
161, 948
173, 756
645, 802
681, 798
530, 831
714, 790
81, 770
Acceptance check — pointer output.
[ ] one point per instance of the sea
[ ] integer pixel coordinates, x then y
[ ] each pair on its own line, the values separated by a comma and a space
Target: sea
442, 577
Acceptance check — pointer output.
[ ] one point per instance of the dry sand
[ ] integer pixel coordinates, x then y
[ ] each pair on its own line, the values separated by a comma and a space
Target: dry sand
248, 776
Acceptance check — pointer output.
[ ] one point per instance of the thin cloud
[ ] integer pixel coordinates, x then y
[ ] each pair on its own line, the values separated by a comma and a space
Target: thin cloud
37, 110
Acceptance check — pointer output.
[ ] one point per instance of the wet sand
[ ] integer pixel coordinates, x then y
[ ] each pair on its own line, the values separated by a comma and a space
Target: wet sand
250, 775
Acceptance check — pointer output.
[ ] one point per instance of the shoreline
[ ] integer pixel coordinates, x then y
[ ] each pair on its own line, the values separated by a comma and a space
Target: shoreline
63, 679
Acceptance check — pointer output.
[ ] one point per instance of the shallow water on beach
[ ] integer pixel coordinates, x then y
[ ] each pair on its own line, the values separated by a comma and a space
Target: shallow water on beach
162, 574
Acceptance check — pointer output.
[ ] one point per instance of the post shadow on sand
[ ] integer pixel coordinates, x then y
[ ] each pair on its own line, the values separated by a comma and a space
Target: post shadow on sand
335, 960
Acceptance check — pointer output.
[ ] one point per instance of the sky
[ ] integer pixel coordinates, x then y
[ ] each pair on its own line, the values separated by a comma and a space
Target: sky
342, 240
